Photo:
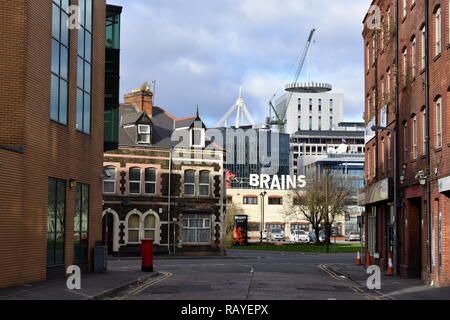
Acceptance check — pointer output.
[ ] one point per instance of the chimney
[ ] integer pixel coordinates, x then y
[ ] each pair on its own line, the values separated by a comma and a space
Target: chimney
141, 98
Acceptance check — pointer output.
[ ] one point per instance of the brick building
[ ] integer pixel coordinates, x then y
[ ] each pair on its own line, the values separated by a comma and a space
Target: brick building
51, 91
407, 63
159, 188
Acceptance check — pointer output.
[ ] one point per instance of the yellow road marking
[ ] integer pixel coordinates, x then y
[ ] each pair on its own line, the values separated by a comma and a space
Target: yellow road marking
146, 285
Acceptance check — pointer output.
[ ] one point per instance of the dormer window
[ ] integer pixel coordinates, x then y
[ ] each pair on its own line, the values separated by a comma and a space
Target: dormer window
198, 137
143, 134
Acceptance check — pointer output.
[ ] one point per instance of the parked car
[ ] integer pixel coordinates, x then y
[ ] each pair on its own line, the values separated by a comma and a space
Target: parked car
299, 236
276, 234
264, 234
353, 236
312, 236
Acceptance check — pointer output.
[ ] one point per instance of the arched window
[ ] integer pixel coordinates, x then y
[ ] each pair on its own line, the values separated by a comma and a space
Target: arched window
135, 181
150, 181
204, 183
189, 182
109, 180
438, 30
150, 227
133, 228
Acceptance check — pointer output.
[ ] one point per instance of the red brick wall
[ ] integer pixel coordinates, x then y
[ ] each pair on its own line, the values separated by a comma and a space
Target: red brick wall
51, 149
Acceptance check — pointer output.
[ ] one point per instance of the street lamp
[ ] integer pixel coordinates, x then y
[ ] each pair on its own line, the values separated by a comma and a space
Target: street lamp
396, 245
263, 194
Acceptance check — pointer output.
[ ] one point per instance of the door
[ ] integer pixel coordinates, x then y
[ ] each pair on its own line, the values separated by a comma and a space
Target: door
108, 232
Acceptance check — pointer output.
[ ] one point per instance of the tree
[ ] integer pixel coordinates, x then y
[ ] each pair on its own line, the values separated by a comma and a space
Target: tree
307, 205
337, 191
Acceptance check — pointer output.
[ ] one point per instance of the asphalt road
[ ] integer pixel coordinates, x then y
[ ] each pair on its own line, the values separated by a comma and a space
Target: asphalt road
246, 275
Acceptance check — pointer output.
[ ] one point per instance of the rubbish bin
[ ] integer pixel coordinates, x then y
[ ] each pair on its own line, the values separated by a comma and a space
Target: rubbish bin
100, 258
147, 255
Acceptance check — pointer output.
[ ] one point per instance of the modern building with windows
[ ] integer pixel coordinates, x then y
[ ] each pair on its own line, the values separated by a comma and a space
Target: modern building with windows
310, 146
407, 90
310, 106
157, 187
348, 168
51, 154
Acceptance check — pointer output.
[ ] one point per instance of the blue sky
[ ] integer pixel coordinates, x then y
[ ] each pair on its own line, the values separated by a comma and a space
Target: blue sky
202, 51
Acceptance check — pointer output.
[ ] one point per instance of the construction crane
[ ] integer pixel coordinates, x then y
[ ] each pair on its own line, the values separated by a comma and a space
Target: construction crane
278, 121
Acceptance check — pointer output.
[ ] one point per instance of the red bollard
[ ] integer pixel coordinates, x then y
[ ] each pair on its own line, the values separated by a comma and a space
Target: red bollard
147, 255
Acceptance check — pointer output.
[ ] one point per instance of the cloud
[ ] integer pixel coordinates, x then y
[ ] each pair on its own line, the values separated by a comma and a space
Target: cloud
201, 52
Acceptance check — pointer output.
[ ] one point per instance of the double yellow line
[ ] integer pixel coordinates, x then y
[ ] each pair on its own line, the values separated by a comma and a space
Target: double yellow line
356, 289
163, 276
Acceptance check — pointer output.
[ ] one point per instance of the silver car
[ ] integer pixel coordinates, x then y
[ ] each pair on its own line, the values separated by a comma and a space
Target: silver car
276, 234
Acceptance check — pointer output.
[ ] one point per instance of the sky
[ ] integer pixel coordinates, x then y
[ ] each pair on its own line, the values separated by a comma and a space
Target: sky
201, 51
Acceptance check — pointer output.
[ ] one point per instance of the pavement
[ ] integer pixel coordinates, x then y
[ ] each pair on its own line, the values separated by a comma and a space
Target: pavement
242, 275
392, 287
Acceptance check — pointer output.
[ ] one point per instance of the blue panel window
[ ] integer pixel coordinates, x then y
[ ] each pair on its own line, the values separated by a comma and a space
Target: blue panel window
84, 67
56, 221
81, 224
60, 61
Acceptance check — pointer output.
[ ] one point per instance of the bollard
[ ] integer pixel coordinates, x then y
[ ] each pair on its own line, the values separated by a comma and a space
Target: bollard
147, 255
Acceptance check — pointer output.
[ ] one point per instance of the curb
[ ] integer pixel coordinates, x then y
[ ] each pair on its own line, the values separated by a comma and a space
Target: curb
120, 287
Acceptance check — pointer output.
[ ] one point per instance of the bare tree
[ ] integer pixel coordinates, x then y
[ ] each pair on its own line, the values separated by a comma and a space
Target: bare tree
307, 205
233, 210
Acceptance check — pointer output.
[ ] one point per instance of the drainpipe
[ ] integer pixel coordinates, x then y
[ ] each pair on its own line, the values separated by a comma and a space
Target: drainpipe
427, 137
397, 204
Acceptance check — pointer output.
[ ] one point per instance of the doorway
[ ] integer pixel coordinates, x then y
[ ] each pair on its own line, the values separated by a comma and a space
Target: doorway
414, 230
108, 232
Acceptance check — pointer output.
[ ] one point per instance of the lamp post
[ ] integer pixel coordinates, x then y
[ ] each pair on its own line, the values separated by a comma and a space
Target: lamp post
263, 194
396, 245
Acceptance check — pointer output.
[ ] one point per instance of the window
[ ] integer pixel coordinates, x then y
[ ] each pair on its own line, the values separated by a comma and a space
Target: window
320, 105
84, 67
368, 163
143, 134
295, 227
297, 201
251, 200
405, 65
438, 30
414, 136
150, 227
405, 8
272, 226
135, 181
320, 123
374, 162
197, 137
81, 223
197, 229
439, 123
413, 57
423, 49
406, 143
109, 180
310, 105
189, 182
424, 134
374, 48
382, 90
389, 150
150, 181
60, 61
310, 123
388, 78
383, 156
368, 57
331, 123
55, 221
275, 200
204, 183
134, 224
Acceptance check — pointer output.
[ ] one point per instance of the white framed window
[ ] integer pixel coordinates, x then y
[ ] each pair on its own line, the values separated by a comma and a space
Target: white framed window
109, 180
382, 90
368, 163
405, 8
134, 182
388, 80
150, 181
406, 142
150, 227
189, 182
374, 161
197, 228
134, 227
439, 123
438, 30
382, 35
368, 57
423, 49
424, 134
204, 184
144, 133
383, 155
374, 48
389, 150
197, 137
413, 57
405, 65
414, 137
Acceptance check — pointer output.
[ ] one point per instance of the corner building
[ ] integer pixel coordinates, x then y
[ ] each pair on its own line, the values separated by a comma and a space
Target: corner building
51, 137
407, 90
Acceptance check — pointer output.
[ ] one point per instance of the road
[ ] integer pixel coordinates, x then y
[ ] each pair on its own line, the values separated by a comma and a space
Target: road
247, 275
